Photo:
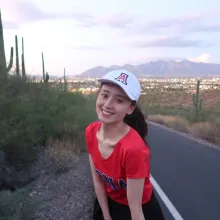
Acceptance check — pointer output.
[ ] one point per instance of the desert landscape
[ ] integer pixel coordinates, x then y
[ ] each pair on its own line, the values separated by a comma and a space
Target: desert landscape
48, 82
175, 109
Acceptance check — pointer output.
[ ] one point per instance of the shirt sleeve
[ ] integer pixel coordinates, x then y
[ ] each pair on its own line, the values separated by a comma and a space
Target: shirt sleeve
137, 162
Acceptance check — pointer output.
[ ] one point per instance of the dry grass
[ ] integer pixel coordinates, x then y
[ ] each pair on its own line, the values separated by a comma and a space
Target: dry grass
175, 122
62, 154
62, 149
205, 130
211, 98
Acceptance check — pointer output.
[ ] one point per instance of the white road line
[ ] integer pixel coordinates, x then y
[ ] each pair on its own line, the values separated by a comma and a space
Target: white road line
176, 215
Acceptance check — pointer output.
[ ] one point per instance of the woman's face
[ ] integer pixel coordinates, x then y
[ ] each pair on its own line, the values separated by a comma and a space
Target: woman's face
112, 104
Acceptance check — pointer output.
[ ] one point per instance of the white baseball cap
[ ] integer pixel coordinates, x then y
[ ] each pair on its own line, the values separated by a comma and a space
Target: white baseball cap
126, 80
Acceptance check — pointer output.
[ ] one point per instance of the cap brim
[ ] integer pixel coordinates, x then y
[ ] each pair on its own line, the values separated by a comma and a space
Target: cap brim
115, 83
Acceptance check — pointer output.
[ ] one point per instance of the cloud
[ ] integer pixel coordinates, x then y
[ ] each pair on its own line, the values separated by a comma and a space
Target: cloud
178, 21
204, 58
174, 42
10, 25
134, 23
25, 11
119, 20
188, 22
204, 28
185, 23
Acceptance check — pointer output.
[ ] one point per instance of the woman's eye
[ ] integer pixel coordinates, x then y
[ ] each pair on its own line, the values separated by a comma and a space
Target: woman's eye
119, 101
104, 95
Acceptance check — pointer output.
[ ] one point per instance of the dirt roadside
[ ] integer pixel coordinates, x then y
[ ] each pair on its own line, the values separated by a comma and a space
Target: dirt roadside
68, 196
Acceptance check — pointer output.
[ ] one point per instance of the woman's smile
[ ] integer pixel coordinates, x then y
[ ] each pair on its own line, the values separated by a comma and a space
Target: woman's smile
106, 113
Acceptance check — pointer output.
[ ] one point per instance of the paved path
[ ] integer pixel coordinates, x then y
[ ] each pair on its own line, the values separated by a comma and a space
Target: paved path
188, 172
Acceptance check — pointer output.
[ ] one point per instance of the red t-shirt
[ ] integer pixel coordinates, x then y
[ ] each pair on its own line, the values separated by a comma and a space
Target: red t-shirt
129, 159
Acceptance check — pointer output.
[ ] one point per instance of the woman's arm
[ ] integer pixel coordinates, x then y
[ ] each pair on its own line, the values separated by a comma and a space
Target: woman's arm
134, 195
100, 191
137, 169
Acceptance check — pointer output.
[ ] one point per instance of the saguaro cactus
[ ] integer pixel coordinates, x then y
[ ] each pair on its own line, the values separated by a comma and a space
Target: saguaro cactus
4, 69
17, 56
197, 102
22, 61
65, 81
43, 67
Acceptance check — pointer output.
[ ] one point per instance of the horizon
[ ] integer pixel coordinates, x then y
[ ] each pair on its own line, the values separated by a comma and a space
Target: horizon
70, 34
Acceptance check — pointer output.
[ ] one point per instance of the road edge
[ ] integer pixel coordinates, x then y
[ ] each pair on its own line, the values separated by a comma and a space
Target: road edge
190, 137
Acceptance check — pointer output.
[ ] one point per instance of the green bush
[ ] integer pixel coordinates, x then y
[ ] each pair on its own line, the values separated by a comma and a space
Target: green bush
19, 205
30, 113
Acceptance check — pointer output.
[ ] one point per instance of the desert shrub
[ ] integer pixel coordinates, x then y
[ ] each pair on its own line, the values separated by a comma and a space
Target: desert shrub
19, 205
31, 113
61, 154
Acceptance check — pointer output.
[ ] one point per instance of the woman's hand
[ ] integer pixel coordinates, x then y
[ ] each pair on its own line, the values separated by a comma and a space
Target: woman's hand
108, 217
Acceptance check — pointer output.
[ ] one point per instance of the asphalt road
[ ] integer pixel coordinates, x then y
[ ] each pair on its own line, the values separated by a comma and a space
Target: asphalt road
188, 172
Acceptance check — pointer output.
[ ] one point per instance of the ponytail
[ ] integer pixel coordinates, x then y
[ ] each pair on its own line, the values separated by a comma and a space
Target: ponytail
137, 121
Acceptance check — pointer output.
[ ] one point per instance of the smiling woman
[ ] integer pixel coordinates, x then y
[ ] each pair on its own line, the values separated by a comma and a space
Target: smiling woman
108, 95
118, 153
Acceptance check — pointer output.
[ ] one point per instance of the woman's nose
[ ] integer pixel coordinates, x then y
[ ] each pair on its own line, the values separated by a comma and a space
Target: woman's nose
108, 103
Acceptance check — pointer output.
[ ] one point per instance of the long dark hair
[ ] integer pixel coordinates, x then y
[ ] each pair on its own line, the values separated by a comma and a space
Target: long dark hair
137, 121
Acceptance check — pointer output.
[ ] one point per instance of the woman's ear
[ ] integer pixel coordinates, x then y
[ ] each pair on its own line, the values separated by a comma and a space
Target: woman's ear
131, 109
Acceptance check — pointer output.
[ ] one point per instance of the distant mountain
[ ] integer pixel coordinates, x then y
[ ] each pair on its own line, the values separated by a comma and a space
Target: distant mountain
161, 68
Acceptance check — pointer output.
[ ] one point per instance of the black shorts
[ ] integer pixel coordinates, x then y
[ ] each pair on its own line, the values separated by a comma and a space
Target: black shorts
151, 210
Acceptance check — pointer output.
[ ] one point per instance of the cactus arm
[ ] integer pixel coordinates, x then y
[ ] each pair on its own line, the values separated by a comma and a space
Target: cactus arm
11, 60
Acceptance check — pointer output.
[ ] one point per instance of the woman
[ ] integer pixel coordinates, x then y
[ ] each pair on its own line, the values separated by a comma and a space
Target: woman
118, 153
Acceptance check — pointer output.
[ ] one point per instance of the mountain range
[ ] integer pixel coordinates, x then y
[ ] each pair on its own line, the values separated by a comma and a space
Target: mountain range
161, 68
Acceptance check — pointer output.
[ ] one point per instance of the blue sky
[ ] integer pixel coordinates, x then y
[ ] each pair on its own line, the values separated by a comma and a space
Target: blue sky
80, 35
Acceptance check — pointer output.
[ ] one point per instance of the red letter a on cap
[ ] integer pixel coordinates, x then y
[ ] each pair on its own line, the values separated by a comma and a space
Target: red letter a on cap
123, 78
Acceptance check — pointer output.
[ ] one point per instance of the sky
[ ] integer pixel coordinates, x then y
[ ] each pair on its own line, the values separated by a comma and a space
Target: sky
82, 34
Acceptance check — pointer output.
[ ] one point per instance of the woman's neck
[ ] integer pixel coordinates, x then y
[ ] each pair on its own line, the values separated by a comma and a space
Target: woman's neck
113, 132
